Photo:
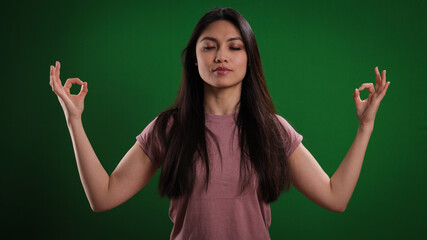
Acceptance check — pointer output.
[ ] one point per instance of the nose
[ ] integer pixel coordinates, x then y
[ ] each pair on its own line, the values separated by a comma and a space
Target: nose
220, 57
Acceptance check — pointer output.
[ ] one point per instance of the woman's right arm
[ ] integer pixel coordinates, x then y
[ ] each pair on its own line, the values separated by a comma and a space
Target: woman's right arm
104, 192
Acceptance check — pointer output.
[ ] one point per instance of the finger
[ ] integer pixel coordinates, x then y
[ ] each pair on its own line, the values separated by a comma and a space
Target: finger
70, 82
377, 78
369, 86
55, 79
384, 91
380, 94
381, 87
53, 82
50, 75
58, 69
83, 90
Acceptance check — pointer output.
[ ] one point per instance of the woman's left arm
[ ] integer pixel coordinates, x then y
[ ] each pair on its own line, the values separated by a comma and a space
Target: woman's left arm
309, 178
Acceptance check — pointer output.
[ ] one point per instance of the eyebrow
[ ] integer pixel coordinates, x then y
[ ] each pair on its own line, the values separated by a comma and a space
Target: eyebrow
215, 40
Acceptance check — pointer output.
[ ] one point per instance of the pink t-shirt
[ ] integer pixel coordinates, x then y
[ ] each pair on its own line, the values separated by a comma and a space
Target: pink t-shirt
221, 212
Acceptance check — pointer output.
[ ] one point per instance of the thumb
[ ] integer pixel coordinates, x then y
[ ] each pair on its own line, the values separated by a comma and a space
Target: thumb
356, 96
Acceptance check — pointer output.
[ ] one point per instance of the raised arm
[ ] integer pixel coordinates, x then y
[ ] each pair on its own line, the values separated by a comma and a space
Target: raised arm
103, 191
309, 178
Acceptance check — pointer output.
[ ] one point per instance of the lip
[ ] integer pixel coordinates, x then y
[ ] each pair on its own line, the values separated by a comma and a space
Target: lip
222, 70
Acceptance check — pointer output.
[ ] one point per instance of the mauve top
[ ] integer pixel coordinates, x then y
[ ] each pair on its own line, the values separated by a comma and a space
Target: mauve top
221, 212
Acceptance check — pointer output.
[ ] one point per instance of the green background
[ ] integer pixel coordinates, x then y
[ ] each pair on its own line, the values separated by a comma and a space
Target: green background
314, 55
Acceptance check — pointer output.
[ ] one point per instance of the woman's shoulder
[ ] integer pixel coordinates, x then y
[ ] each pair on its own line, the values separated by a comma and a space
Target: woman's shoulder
168, 115
285, 123
281, 119
163, 119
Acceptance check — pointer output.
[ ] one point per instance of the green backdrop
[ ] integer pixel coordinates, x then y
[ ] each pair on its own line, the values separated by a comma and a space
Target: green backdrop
314, 53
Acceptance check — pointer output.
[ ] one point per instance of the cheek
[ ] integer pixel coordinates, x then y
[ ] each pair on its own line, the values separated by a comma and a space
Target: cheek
202, 64
203, 68
243, 62
204, 61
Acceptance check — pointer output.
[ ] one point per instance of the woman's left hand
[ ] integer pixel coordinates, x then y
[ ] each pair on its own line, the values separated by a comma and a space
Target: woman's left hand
367, 109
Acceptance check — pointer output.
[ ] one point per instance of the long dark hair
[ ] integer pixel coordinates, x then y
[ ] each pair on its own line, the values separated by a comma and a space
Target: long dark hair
176, 146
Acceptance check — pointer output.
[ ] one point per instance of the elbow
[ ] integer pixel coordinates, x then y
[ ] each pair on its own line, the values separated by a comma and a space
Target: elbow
336, 206
339, 208
100, 204
97, 208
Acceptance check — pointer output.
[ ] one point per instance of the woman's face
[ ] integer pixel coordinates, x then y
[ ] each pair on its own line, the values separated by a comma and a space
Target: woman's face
221, 55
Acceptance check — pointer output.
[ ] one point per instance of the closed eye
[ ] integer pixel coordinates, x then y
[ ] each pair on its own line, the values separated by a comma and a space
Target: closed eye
232, 48
207, 48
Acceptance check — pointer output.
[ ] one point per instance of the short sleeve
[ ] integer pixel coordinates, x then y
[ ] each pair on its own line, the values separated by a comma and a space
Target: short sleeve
142, 139
295, 137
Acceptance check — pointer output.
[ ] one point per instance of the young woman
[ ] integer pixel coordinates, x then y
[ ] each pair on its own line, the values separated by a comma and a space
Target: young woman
224, 153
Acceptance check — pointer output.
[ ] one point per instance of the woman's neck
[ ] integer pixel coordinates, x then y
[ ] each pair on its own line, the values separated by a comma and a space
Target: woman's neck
221, 101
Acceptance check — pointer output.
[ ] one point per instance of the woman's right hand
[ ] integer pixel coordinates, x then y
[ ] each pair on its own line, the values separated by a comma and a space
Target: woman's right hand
72, 105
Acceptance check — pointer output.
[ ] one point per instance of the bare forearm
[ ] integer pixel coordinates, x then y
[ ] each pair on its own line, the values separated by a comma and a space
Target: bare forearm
345, 178
93, 176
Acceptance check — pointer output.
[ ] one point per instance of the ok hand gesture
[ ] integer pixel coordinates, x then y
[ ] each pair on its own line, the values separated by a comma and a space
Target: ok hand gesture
367, 109
72, 105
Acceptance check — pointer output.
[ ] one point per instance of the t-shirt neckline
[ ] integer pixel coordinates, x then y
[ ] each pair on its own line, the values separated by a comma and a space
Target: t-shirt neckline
230, 116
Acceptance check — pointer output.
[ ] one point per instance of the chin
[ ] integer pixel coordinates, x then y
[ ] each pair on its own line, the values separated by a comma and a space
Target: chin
223, 83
